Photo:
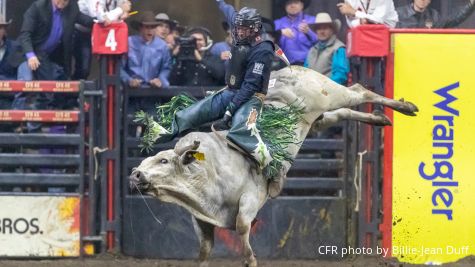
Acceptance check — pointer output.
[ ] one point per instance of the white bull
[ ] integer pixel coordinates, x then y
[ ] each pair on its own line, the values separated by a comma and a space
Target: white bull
225, 189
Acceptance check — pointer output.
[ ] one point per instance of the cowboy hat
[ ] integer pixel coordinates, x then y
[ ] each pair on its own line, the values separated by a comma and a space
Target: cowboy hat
324, 18
163, 17
282, 3
4, 22
146, 18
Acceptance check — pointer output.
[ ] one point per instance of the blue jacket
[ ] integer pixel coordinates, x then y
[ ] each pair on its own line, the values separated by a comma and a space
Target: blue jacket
147, 61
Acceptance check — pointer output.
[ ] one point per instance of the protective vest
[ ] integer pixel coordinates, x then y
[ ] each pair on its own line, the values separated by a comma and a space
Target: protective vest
237, 66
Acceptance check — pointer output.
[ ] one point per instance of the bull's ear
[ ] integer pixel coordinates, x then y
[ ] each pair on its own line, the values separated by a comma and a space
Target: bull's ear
190, 156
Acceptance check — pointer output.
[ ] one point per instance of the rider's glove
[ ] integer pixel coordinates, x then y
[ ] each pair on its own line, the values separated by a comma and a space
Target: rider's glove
224, 123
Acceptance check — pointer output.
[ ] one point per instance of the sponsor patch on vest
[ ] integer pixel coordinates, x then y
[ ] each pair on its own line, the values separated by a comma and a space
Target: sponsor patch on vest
258, 68
232, 80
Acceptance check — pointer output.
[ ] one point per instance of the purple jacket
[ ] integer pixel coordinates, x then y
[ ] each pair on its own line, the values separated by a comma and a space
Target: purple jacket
296, 49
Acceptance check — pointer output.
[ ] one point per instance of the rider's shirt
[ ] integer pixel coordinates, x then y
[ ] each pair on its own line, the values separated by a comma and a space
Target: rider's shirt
252, 73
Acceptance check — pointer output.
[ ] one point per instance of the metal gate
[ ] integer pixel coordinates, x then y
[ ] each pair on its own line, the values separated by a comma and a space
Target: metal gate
48, 164
312, 211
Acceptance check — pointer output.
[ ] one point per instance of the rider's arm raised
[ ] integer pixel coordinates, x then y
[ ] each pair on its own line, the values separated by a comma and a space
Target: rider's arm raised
228, 11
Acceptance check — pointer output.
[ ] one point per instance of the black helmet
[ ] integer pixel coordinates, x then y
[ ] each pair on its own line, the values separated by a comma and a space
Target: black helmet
247, 17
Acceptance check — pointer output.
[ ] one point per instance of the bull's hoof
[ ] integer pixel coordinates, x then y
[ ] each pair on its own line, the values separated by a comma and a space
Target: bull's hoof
407, 108
381, 119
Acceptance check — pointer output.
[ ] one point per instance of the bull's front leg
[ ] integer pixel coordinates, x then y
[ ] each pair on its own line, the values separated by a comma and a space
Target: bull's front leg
205, 232
247, 212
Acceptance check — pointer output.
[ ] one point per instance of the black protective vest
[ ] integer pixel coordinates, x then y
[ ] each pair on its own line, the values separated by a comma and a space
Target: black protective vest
237, 66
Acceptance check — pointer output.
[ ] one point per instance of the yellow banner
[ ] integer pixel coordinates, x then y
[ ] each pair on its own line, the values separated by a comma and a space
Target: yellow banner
433, 159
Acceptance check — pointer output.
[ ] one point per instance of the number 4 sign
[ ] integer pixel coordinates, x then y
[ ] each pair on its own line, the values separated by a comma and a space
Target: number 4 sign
110, 40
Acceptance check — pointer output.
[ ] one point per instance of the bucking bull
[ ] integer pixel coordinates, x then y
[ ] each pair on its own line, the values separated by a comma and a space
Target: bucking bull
225, 189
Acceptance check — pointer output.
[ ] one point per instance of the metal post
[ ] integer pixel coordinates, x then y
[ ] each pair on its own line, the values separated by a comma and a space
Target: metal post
368, 71
110, 138
110, 146
81, 127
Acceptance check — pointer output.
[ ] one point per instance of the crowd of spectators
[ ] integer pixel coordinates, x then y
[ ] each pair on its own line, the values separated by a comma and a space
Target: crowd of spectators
55, 41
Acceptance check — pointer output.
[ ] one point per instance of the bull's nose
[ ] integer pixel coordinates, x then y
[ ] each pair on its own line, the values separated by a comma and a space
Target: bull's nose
137, 180
137, 176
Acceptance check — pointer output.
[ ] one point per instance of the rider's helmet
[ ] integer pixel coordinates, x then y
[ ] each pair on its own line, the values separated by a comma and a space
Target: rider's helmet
247, 24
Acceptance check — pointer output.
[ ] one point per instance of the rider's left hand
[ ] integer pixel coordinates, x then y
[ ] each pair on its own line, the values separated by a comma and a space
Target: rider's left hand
224, 123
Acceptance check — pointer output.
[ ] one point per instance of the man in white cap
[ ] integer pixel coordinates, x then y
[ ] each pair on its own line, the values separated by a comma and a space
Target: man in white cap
328, 55
165, 25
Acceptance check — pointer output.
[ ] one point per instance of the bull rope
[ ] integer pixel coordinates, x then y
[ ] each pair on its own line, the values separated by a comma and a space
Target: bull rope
96, 151
357, 178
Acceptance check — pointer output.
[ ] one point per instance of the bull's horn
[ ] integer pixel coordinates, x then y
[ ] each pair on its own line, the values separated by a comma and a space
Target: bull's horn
194, 146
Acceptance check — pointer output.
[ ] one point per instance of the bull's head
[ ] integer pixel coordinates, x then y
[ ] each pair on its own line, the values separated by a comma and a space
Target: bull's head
166, 172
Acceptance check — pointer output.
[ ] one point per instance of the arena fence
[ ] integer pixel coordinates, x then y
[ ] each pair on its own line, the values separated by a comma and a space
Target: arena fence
43, 170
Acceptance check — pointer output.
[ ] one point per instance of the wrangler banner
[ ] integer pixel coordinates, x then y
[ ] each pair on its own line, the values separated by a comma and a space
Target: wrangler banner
42, 226
429, 180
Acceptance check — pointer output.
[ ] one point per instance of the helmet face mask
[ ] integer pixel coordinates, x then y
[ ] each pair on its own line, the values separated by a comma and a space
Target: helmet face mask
247, 25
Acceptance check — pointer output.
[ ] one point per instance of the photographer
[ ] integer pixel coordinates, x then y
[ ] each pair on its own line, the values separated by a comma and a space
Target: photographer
194, 64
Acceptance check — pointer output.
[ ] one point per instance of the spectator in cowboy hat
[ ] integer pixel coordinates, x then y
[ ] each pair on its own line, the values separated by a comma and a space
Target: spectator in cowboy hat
149, 60
165, 25
296, 37
328, 55
10, 53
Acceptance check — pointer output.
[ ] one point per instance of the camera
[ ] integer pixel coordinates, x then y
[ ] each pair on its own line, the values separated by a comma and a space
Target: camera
187, 49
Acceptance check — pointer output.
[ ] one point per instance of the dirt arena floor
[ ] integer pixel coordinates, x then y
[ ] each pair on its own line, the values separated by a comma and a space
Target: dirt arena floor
114, 261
